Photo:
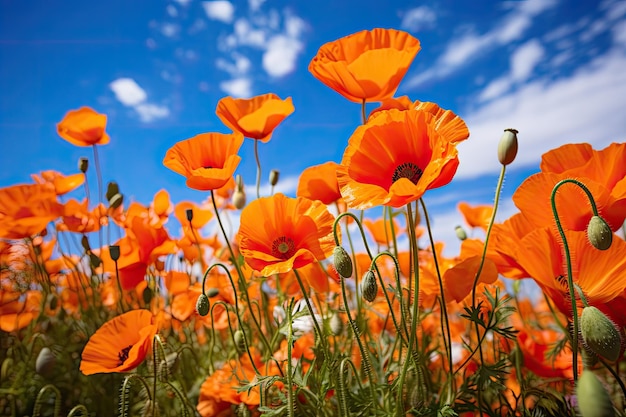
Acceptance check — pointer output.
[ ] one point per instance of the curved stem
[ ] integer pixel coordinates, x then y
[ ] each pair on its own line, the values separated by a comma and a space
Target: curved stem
568, 262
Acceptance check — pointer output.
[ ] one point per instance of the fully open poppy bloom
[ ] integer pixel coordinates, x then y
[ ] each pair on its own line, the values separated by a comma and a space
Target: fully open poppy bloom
278, 234
207, 160
256, 117
603, 172
120, 345
365, 66
319, 182
78, 218
394, 158
84, 127
25, 210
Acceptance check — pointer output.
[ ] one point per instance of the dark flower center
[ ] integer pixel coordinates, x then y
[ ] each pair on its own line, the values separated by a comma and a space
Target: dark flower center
407, 170
283, 247
123, 355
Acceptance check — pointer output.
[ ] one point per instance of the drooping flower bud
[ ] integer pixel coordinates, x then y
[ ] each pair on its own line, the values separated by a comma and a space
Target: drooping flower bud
593, 399
507, 148
202, 305
240, 341
600, 333
460, 232
342, 262
599, 233
46, 360
369, 286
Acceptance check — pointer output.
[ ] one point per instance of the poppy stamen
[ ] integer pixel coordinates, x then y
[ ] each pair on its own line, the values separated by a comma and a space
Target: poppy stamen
123, 355
407, 170
283, 247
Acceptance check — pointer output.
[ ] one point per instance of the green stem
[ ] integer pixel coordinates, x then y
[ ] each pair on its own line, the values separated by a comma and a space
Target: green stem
568, 262
363, 112
258, 168
320, 334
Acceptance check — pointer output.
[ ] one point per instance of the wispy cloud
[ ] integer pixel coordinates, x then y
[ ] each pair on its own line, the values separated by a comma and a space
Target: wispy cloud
418, 18
221, 10
130, 94
470, 45
237, 87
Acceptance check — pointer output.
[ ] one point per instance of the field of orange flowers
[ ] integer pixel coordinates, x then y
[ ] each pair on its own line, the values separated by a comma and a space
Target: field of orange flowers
314, 307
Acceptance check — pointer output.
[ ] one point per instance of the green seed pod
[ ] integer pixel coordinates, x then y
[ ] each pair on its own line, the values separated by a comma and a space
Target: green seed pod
336, 325
112, 189
342, 262
116, 200
240, 341
147, 295
203, 305
507, 148
460, 233
369, 286
593, 399
46, 360
114, 252
84, 242
599, 233
600, 333
274, 175
189, 214
83, 164
239, 199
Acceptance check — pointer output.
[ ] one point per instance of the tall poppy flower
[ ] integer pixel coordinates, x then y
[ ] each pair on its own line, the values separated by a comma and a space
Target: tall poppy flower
84, 127
319, 182
120, 345
60, 183
394, 158
278, 234
207, 160
256, 117
25, 210
476, 216
366, 66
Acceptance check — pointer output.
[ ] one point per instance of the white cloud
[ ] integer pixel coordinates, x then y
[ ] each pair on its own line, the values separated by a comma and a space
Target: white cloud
183, 2
240, 65
281, 55
237, 87
619, 33
418, 18
171, 10
524, 60
221, 10
128, 92
468, 46
581, 108
149, 112
247, 35
495, 88
255, 4
170, 29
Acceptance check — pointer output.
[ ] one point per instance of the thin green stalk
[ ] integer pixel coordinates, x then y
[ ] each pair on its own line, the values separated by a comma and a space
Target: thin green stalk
568, 262
258, 169
305, 295
363, 112
291, 403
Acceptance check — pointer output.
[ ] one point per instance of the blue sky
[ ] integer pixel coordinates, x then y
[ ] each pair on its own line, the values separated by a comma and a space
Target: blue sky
553, 69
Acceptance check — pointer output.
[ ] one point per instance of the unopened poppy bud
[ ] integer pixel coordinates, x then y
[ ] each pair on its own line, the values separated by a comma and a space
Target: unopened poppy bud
147, 295
593, 399
600, 334
114, 252
242, 410
83, 164
203, 305
189, 214
274, 174
116, 201
599, 233
95, 261
112, 189
507, 148
336, 325
342, 262
460, 232
239, 199
369, 286
240, 341
46, 360
84, 242
212, 292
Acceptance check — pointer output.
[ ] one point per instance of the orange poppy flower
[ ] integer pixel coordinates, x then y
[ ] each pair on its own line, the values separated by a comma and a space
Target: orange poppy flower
256, 117
600, 274
84, 127
365, 66
18, 310
476, 216
200, 217
380, 230
278, 234
319, 182
120, 345
603, 172
77, 217
207, 160
60, 183
25, 210
393, 159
